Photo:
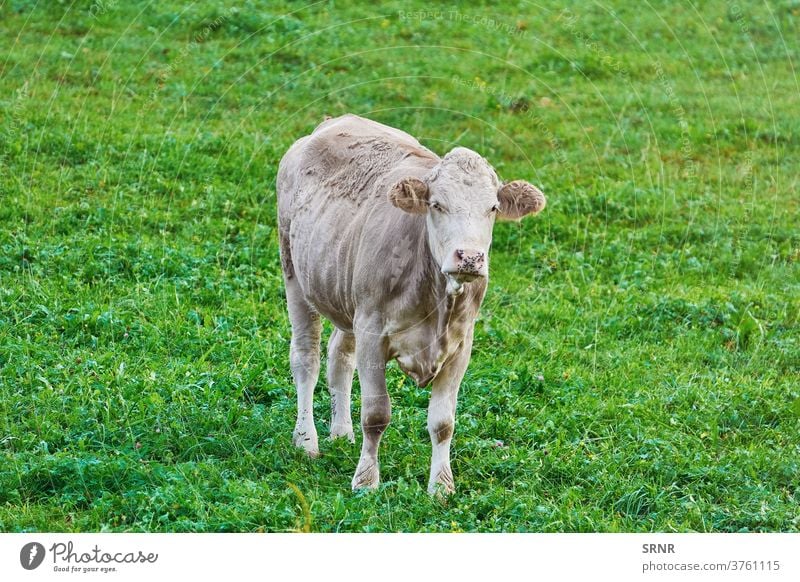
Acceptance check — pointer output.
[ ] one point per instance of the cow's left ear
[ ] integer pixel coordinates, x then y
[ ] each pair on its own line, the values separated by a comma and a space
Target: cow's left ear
518, 199
410, 195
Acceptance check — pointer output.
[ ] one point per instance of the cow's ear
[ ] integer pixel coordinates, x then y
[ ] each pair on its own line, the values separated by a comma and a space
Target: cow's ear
518, 199
410, 195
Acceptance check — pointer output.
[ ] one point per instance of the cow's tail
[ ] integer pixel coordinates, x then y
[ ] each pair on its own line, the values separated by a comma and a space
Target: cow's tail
286, 250
284, 222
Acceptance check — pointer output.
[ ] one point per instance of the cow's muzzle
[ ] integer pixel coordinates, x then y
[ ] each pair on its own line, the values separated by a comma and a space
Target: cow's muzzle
466, 265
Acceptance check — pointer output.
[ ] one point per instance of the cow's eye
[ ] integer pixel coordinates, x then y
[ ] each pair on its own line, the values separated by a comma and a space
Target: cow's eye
436, 206
494, 209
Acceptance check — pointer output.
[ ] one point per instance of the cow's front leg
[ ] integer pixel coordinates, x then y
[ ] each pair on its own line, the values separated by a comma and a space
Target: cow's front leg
441, 417
376, 408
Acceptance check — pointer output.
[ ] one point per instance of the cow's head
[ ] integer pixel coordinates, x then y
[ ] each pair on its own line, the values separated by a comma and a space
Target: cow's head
462, 197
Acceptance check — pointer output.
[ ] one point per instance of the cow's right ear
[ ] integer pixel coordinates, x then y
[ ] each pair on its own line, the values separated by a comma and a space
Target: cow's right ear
410, 195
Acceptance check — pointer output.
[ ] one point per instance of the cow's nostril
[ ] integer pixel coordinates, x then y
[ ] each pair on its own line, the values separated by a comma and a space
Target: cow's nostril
466, 262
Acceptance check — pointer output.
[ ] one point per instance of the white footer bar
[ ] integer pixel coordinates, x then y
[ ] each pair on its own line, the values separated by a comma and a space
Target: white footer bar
332, 557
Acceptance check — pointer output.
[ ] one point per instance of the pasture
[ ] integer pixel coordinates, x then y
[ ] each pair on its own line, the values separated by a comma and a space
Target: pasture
637, 359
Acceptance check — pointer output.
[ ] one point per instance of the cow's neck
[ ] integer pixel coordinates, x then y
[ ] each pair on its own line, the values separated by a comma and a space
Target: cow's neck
458, 311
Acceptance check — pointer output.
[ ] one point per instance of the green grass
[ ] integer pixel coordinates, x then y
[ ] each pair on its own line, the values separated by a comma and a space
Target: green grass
636, 359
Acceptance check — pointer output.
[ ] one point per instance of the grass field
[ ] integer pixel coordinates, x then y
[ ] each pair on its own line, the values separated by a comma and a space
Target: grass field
636, 362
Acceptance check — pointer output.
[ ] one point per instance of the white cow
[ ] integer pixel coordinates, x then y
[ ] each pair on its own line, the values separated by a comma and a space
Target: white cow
391, 244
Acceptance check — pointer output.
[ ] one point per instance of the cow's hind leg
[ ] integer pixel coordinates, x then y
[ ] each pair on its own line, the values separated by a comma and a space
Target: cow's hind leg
304, 361
341, 364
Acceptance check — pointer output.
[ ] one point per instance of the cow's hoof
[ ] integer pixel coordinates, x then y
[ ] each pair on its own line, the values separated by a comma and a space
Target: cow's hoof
343, 430
306, 441
366, 477
443, 484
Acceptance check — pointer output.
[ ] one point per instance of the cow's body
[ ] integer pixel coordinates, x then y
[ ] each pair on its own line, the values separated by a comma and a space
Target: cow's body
352, 255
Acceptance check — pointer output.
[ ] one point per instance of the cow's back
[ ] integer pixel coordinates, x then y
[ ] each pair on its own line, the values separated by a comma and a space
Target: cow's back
347, 155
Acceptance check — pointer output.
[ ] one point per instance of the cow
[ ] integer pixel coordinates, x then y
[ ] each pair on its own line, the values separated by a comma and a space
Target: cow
390, 243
